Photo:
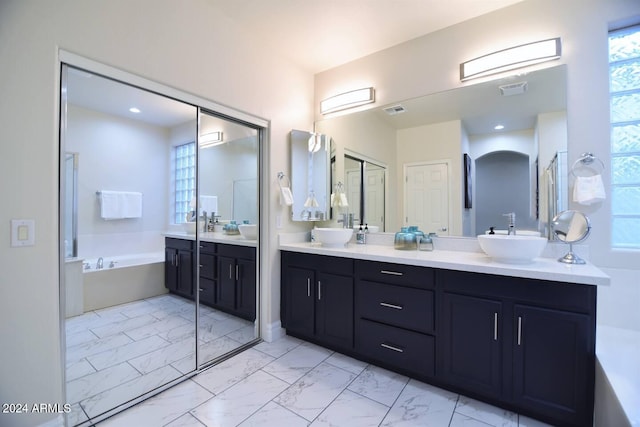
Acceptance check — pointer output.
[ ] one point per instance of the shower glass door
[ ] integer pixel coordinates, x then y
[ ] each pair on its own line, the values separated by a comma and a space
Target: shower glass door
227, 235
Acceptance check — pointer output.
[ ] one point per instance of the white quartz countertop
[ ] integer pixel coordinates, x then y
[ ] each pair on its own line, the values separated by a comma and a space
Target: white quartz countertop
477, 262
214, 237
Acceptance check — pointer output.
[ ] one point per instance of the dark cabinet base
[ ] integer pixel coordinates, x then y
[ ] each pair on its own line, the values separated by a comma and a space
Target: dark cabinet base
521, 344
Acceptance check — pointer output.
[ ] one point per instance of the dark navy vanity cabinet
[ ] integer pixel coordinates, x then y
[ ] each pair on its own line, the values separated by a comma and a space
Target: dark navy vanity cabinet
527, 345
227, 274
317, 299
179, 266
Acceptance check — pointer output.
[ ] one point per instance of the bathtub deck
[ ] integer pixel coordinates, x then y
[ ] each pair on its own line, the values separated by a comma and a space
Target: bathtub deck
117, 353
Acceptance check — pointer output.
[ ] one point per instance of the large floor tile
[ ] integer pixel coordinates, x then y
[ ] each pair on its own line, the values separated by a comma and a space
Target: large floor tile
296, 363
225, 374
423, 405
486, 413
159, 410
274, 415
100, 381
379, 384
239, 402
124, 392
126, 352
309, 395
351, 410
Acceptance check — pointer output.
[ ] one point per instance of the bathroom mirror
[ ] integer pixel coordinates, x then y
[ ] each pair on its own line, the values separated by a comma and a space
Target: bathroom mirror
571, 227
310, 175
433, 132
364, 187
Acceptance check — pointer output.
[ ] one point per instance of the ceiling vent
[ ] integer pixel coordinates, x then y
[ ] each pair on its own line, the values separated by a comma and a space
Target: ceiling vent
513, 89
394, 109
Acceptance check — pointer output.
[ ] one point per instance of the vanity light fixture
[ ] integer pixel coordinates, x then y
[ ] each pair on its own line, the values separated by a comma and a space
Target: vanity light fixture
511, 58
347, 100
211, 139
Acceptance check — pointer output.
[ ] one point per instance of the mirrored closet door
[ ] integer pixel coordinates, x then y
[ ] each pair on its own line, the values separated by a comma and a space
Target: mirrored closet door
136, 251
227, 229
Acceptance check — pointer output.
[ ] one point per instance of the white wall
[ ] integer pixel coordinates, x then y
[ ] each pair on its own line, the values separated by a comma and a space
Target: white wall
119, 154
179, 44
422, 66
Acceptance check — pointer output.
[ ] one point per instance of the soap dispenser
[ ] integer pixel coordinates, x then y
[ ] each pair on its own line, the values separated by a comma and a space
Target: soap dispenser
361, 236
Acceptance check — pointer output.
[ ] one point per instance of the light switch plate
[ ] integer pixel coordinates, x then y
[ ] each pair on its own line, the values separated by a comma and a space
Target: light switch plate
23, 232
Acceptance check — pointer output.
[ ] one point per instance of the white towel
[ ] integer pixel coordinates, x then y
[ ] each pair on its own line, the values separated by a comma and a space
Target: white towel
286, 198
339, 200
588, 190
120, 204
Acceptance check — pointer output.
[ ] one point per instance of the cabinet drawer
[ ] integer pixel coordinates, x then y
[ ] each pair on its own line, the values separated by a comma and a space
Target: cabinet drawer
409, 308
399, 348
237, 251
207, 266
396, 274
178, 243
208, 247
335, 265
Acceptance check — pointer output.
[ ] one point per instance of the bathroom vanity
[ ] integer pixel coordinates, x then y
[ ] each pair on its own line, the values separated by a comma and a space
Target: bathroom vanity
227, 273
518, 336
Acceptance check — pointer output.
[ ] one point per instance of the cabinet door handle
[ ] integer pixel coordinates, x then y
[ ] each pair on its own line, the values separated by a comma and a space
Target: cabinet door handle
394, 306
230, 269
519, 330
237, 272
177, 260
201, 289
308, 286
495, 326
390, 347
393, 273
319, 290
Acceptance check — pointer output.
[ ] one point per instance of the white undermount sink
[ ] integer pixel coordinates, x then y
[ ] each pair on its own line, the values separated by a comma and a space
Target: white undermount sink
514, 249
335, 237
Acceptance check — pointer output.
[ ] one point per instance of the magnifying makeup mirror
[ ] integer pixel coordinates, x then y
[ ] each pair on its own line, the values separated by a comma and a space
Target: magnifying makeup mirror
571, 227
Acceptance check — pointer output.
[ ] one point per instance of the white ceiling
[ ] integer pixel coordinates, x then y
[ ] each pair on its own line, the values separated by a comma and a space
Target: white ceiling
322, 34
316, 34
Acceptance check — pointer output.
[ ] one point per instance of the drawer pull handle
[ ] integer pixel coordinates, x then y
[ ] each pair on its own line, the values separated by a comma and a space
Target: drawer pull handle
319, 290
393, 273
495, 326
394, 306
519, 330
390, 347
308, 286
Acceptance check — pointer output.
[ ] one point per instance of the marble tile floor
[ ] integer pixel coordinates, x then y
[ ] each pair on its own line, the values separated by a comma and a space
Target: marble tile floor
293, 383
117, 353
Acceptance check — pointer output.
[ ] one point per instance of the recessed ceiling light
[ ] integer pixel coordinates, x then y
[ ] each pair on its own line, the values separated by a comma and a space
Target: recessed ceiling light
134, 110
498, 127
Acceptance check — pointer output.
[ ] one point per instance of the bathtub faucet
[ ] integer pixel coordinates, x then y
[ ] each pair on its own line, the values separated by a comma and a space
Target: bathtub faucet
100, 263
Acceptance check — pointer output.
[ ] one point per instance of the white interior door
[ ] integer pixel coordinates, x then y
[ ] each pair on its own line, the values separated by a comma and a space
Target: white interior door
374, 197
427, 197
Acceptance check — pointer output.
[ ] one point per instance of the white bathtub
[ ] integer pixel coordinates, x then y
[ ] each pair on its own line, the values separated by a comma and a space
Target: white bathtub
123, 278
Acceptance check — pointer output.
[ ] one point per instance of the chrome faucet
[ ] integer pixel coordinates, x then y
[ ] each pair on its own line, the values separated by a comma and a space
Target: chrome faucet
100, 264
512, 223
347, 220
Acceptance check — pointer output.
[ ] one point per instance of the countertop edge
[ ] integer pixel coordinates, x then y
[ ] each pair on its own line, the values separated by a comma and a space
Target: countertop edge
541, 269
214, 238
